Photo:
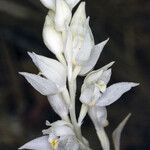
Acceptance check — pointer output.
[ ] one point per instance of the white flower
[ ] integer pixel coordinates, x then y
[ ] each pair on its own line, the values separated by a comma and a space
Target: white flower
59, 136
96, 96
62, 15
52, 84
52, 38
63, 133
80, 50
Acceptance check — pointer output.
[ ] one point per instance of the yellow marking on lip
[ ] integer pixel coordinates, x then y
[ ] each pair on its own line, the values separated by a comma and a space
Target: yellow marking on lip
102, 86
54, 143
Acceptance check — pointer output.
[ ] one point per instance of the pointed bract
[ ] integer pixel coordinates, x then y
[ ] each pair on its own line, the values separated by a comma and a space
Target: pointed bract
117, 133
95, 54
114, 92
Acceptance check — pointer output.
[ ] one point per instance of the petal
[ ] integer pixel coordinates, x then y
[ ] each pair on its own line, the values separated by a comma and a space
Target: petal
68, 143
90, 95
79, 16
95, 53
87, 94
98, 116
72, 3
42, 85
62, 15
38, 144
117, 133
93, 76
87, 45
105, 76
50, 4
60, 123
78, 19
63, 131
52, 38
50, 68
114, 92
58, 104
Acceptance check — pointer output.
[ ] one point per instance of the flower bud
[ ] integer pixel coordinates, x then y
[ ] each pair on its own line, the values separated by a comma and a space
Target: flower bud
52, 38
62, 15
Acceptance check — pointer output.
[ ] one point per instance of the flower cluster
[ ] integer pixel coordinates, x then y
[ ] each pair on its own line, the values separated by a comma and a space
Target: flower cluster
69, 37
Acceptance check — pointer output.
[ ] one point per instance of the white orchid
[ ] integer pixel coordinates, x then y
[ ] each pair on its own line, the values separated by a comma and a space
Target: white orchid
95, 97
70, 38
80, 46
52, 84
59, 136
94, 91
51, 70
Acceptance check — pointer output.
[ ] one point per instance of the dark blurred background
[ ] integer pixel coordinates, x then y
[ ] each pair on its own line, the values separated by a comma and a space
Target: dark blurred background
23, 110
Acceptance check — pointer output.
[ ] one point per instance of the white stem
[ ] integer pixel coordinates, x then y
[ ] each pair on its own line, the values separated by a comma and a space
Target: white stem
66, 118
103, 138
83, 112
76, 72
66, 96
72, 88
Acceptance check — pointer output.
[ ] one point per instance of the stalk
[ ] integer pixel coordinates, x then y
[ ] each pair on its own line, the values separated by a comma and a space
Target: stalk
72, 89
103, 138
